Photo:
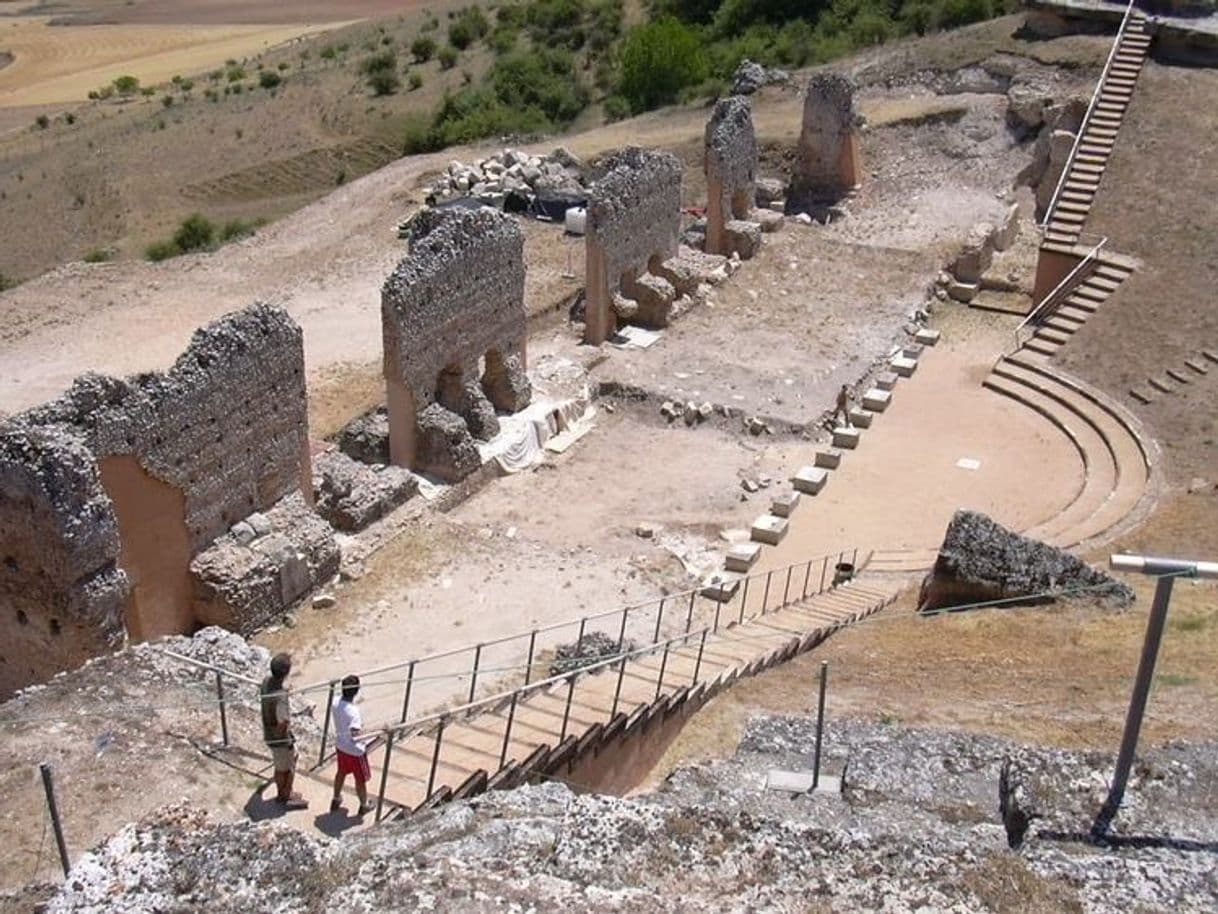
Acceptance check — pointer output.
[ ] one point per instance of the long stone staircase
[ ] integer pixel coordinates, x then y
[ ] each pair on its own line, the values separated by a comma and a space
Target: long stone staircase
1085, 170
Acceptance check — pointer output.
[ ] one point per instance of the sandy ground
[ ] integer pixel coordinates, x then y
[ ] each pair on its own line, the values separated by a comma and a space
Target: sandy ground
221, 11
56, 64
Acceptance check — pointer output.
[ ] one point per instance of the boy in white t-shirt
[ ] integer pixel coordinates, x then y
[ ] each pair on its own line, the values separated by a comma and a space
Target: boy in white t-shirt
352, 749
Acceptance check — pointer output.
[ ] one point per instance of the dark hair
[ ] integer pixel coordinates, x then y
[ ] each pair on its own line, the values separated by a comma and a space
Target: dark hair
281, 665
350, 687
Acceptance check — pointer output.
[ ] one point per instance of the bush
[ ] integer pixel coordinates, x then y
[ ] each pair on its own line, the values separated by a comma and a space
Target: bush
953, 13
658, 61
6, 283
469, 25
167, 101
448, 57
42, 121
240, 228
414, 80
161, 250
385, 61
126, 85
235, 74
503, 39
269, 79
328, 52
616, 108
384, 82
544, 79
423, 48
195, 233
70, 118
99, 255
186, 85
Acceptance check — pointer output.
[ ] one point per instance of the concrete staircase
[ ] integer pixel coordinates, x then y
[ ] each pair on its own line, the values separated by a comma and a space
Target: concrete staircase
1064, 319
1085, 170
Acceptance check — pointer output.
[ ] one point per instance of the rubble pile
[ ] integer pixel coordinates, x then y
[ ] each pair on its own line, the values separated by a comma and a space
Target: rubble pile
514, 175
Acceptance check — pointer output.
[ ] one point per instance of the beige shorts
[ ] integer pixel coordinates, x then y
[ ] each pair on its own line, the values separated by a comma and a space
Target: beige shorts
284, 758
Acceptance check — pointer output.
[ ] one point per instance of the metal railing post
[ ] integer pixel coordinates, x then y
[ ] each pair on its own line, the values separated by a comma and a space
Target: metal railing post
223, 707
583, 627
659, 620
698, 662
689, 616
663, 667
807, 574
786, 589
617, 692
473, 676
507, 732
380, 796
409, 689
621, 635
744, 597
48, 784
566, 714
820, 723
435, 757
718, 609
325, 727
824, 566
765, 597
528, 665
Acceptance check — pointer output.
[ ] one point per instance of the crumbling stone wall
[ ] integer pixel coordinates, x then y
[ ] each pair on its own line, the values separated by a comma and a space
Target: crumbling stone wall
634, 220
109, 491
731, 170
827, 158
455, 333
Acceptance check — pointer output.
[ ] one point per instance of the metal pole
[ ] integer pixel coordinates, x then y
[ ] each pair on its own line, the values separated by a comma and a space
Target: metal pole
1137, 706
617, 692
223, 707
689, 616
786, 589
663, 667
473, 676
807, 574
409, 689
48, 784
566, 714
824, 566
698, 662
507, 732
621, 635
435, 758
765, 597
718, 609
528, 666
744, 599
380, 797
820, 723
659, 619
325, 727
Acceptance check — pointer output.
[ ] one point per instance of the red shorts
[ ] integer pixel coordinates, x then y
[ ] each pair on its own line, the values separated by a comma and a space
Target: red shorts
356, 765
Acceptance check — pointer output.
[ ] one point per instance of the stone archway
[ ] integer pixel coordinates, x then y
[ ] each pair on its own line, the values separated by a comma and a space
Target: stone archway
154, 551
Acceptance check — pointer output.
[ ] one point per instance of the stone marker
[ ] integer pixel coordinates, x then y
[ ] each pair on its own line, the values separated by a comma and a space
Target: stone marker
904, 366
861, 418
847, 438
830, 458
784, 505
742, 557
810, 480
886, 380
769, 529
927, 337
876, 400
720, 586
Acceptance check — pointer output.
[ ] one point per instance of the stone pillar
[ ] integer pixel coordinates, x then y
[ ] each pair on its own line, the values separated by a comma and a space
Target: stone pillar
827, 159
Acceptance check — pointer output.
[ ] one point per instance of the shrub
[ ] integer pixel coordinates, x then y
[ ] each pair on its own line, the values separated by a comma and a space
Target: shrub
195, 233
186, 85
503, 39
283, 65
42, 121
544, 79
328, 52
99, 255
235, 74
953, 13
469, 25
384, 82
385, 61
167, 101
126, 85
6, 283
658, 61
616, 108
161, 250
269, 79
70, 118
414, 80
423, 48
240, 228
148, 91
448, 57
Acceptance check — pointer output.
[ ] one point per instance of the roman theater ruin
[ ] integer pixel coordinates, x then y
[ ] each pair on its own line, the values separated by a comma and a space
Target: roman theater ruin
731, 175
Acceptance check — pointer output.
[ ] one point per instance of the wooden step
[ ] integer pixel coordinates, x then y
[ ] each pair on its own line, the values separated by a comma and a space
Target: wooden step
1088, 158
1063, 324
1101, 282
1096, 147
1077, 307
1108, 271
1089, 294
1052, 335
1044, 347
1067, 219
1072, 206
1075, 196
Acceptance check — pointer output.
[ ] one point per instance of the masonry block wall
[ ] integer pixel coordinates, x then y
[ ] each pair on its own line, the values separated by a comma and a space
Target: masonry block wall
731, 170
455, 332
827, 160
634, 223
121, 482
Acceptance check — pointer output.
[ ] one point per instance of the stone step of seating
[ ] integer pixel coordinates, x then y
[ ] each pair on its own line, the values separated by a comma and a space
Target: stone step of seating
1087, 291
769, 529
829, 458
810, 480
1212, 356
1140, 396
1113, 272
1102, 283
1053, 335
877, 400
1063, 323
1161, 385
912, 351
1044, 347
784, 504
861, 418
927, 337
886, 380
1079, 305
847, 438
1178, 376
1196, 366
903, 366
742, 556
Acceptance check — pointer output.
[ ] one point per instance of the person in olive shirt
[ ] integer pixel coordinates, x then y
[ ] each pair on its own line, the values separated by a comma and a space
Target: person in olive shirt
277, 731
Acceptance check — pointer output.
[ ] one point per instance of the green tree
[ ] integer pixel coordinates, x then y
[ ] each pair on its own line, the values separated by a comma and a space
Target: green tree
658, 61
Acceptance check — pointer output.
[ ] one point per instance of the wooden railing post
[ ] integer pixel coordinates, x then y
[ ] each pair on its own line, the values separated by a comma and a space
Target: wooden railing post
787, 587
659, 620
807, 574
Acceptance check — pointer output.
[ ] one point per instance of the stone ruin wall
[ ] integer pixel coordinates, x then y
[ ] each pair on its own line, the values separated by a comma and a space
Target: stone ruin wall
633, 225
827, 157
455, 334
109, 491
731, 170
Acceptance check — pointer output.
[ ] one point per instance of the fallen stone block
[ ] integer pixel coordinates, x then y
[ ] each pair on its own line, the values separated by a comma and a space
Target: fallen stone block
810, 479
769, 529
877, 400
743, 238
927, 337
769, 221
885, 380
720, 586
1008, 231
784, 505
742, 557
963, 292
861, 418
847, 438
903, 366
830, 458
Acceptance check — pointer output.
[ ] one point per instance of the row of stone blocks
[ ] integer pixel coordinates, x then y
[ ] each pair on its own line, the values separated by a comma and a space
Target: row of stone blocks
771, 528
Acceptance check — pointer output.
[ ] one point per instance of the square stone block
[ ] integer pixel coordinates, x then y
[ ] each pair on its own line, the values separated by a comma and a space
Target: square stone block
742, 557
784, 505
810, 479
829, 458
927, 337
912, 351
847, 438
886, 380
876, 400
860, 418
720, 586
904, 366
769, 529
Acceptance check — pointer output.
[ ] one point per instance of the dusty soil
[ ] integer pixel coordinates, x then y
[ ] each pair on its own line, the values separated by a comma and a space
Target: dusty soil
1163, 314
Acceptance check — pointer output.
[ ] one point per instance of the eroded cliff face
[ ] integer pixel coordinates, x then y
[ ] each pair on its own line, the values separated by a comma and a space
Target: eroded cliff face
918, 827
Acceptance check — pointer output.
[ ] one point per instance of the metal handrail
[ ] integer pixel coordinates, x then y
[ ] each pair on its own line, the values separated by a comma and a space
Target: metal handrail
1067, 283
1095, 97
